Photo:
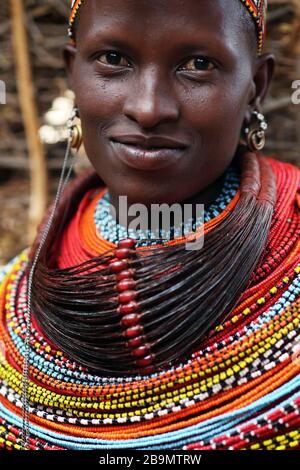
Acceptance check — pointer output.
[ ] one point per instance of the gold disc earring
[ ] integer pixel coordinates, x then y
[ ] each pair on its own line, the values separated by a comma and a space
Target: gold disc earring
256, 138
75, 130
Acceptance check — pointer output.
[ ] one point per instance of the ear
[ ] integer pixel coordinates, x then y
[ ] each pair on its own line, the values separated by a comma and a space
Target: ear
263, 73
69, 54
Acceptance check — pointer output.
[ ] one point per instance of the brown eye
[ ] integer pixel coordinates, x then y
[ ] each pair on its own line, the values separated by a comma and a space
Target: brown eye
113, 58
198, 64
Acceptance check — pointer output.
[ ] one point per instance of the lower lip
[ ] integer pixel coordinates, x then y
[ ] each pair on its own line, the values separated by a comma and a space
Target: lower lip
143, 159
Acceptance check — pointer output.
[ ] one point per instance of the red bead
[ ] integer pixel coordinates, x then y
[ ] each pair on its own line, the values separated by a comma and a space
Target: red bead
146, 361
134, 331
148, 370
142, 351
127, 296
130, 320
117, 266
131, 307
126, 284
135, 342
124, 253
127, 274
127, 243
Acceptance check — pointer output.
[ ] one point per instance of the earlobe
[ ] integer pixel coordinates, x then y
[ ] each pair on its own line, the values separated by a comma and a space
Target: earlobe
69, 54
264, 71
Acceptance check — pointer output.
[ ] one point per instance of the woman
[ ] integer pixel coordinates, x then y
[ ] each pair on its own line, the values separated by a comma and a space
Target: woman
112, 338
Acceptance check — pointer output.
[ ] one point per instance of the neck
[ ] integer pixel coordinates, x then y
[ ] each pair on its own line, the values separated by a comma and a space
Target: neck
206, 197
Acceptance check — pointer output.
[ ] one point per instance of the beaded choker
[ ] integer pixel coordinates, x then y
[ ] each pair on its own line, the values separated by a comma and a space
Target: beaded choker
108, 229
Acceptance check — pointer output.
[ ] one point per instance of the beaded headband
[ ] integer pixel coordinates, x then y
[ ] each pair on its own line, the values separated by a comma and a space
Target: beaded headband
257, 9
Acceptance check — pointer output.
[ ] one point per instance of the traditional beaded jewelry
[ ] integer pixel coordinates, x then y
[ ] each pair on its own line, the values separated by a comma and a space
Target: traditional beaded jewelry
109, 230
147, 306
240, 390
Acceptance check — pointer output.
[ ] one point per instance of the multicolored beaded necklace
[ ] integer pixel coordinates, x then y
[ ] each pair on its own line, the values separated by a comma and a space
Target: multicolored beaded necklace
240, 390
145, 308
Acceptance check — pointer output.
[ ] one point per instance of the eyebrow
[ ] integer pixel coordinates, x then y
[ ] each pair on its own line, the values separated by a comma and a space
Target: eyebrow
110, 39
183, 48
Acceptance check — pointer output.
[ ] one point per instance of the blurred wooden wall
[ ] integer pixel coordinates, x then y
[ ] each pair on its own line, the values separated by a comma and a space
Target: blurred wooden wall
283, 39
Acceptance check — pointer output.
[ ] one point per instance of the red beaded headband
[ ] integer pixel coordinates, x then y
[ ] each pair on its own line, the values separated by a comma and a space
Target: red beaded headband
257, 9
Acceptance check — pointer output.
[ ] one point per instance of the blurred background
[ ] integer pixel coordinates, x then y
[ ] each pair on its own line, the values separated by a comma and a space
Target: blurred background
38, 103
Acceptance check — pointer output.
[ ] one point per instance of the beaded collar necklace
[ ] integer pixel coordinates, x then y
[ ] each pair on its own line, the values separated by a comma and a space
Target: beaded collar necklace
144, 307
111, 231
240, 390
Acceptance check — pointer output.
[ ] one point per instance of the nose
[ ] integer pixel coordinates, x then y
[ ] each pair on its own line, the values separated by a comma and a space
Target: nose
151, 100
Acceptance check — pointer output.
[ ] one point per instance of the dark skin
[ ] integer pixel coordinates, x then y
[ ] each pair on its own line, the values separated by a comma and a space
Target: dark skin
181, 68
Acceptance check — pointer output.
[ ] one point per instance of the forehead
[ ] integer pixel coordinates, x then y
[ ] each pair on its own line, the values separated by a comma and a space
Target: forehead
161, 20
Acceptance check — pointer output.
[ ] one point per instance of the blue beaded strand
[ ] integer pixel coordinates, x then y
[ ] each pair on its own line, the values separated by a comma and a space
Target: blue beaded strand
109, 230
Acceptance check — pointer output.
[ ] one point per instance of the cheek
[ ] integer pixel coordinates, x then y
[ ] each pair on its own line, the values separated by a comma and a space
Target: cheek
214, 110
99, 100
99, 105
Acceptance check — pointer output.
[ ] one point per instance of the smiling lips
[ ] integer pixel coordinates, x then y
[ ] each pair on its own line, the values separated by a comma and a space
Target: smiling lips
147, 153
139, 140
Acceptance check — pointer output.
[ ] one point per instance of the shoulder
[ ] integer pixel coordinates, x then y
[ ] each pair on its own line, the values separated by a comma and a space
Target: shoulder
281, 166
12, 264
8, 277
287, 176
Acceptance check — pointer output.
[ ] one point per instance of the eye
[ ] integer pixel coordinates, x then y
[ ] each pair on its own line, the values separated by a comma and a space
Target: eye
201, 64
113, 58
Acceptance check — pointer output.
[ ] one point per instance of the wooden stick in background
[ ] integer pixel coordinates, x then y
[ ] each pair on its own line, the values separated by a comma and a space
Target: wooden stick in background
37, 163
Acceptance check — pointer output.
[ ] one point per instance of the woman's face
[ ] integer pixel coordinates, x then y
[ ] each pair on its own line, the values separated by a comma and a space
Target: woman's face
181, 73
